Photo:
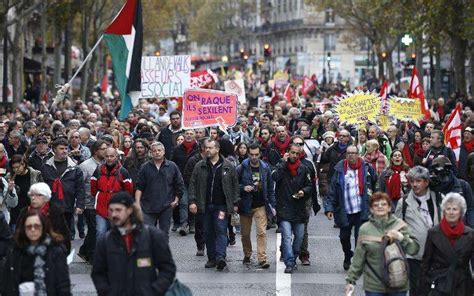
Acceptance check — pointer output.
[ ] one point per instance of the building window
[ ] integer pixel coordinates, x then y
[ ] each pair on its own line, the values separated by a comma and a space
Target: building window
329, 16
364, 43
330, 42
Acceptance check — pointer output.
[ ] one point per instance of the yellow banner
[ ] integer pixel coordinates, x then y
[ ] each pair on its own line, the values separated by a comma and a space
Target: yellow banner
358, 108
406, 109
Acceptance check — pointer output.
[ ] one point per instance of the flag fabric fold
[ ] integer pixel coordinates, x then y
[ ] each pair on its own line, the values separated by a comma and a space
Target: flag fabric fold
416, 92
124, 38
453, 130
288, 93
384, 96
308, 85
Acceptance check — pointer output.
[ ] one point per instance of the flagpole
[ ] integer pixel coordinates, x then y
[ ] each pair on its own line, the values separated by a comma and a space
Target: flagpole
62, 89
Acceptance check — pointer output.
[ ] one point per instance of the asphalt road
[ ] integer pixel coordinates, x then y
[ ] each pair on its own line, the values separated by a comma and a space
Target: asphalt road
325, 275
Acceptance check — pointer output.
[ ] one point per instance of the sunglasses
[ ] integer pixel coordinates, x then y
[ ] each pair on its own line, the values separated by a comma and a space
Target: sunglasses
32, 227
299, 144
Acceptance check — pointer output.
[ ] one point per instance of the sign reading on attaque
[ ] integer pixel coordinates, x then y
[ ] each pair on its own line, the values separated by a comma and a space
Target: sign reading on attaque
358, 107
406, 109
203, 108
165, 76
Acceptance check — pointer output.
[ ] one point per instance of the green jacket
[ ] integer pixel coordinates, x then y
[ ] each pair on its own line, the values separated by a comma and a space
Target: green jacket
198, 185
371, 252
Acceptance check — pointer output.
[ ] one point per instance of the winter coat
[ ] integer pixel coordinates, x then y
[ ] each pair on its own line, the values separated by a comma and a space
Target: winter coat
382, 185
168, 138
447, 265
88, 168
244, 172
416, 224
180, 157
188, 169
197, 190
159, 187
370, 252
148, 270
5, 237
335, 199
434, 152
462, 187
36, 161
288, 208
332, 156
133, 166
57, 272
8, 199
72, 181
105, 183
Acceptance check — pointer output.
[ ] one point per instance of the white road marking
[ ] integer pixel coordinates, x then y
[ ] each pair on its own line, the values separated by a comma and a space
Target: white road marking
283, 280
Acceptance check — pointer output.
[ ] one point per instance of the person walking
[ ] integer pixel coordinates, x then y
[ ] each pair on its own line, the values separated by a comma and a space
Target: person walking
448, 251
136, 158
37, 261
214, 195
132, 258
159, 188
293, 188
368, 258
257, 198
347, 202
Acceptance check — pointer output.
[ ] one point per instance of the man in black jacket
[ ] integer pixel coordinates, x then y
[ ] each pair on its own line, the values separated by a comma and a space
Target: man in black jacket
293, 188
169, 133
66, 181
180, 156
159, 188
130, 255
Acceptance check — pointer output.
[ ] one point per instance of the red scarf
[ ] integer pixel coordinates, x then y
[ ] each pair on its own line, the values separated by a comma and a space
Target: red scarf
126, 151
262, 141
3, 162
452, 233
281, 146
393, 183
188, 146
293, 167
360, 174
128, 240
44, 209
418, 149
469, 146
58, 188
407, 156
441, 112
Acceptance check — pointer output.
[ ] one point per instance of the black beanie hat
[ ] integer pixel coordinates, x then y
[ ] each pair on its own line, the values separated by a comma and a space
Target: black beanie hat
122, 197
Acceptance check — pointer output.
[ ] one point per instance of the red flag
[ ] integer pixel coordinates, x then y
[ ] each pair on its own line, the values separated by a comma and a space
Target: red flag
416, 92
287, 94
384, 95
308, 85
203, 79
274, 95
452, 131
104, 86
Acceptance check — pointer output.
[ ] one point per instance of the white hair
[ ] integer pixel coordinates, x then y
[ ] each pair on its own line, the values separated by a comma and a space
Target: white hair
456, 199
41, 188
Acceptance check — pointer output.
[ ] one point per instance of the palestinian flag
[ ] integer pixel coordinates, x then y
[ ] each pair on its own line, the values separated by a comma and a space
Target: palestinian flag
124, 37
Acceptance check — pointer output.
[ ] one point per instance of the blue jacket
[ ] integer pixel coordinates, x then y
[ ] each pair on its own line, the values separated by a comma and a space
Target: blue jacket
244, 172
335, 200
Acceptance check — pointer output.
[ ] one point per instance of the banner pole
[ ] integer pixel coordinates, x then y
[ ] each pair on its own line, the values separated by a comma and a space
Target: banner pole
86, 58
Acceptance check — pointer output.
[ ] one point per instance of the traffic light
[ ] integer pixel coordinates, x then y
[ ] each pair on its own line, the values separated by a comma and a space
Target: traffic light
267, 50
383, 55
157, 53
242, 53
328, 58
413, 58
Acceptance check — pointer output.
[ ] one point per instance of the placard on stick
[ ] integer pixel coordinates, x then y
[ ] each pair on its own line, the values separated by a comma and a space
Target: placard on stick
236, 87
165, 76
357, 108
203, 108
405, 109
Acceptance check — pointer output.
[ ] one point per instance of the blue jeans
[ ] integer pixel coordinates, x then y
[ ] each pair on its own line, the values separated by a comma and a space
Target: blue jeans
289, 250
215, 231
367, 293
183, 209
101, 226
163, 219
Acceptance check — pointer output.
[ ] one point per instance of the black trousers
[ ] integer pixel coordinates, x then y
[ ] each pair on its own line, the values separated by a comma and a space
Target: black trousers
414, 275
345, 234
88, 247
199, 231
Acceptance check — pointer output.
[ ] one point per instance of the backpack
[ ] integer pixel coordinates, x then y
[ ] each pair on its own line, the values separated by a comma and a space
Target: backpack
394, 261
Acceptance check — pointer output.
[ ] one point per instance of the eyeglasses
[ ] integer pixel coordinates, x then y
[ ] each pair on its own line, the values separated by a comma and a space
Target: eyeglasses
299, 144
32, 227
344, 136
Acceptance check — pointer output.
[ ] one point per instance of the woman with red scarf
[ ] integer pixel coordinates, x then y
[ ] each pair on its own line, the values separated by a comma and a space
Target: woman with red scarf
393, 180
374, 157
448, 251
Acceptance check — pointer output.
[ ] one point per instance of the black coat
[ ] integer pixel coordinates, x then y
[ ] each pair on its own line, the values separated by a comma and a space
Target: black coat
288, 208
117, 273
180, 157
332, 156
168, 139
57, 272
437, 259
5, 236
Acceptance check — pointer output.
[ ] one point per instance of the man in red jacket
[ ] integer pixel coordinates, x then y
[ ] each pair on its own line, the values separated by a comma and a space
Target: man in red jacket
108, 178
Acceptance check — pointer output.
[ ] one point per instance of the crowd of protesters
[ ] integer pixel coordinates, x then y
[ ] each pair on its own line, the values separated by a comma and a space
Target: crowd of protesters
76, 171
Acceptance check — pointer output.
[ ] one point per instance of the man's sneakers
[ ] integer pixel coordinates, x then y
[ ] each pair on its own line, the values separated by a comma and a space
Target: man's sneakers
210, 264
175, 227
305, 260
221, 265
347, 261
183, 230
200, 252
246, 260
290, 269
263, 264
231, 240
